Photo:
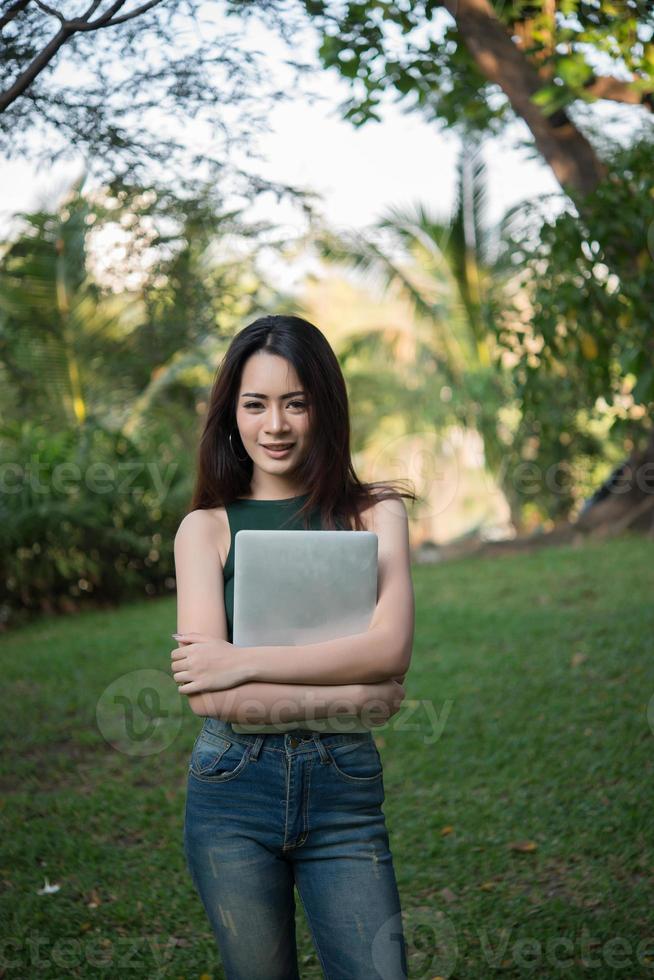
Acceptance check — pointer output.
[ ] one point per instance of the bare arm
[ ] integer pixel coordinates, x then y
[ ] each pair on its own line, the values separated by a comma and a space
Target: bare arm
259, 704
200, 588
384, 650
366, 658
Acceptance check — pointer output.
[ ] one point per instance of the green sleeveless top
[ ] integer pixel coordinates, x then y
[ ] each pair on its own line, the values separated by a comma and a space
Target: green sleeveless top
261, 515
272, 515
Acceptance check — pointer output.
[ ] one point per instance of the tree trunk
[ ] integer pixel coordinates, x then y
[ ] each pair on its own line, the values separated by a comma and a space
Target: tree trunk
579, 171
630, 503
573, 160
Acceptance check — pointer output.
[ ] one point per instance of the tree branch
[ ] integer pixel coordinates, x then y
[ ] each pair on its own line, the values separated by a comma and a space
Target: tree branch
92, 9
12, 12
614, 89
38, 64
101, 21
573, 160
105, 21
133, 13
67, 29
50, 10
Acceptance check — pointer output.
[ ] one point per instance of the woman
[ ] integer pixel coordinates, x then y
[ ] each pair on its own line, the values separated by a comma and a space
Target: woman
268, 812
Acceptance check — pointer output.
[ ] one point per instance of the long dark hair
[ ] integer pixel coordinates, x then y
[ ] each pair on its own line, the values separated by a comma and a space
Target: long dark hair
326, 471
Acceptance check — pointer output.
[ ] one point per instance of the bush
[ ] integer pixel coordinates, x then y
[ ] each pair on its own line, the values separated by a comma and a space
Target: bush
87, 516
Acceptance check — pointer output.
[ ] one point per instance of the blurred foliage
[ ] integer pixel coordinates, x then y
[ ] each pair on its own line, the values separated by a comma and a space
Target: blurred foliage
415, 51
103, 303
102, 385
459, 286
84, 512
153, 89
592, 307
116, 309
581, 323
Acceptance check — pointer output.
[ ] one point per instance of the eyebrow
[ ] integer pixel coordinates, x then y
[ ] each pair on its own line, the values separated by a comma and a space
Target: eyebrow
255, 394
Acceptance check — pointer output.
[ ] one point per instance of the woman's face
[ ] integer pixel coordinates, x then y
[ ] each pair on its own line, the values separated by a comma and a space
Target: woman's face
272, 408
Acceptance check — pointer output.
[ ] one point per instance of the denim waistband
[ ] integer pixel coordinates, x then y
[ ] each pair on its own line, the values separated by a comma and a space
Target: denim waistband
280, 740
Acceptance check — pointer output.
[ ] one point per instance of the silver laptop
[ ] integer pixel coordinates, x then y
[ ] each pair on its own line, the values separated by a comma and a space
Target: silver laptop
297, 587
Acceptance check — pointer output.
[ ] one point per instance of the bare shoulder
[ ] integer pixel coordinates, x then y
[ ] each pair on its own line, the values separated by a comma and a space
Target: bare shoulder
207, 525
197, 522
387, 510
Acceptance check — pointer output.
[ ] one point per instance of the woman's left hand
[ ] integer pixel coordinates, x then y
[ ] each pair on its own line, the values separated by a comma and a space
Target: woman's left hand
204, 663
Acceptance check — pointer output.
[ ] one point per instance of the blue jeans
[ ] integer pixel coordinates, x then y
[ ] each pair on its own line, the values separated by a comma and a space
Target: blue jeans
265, 813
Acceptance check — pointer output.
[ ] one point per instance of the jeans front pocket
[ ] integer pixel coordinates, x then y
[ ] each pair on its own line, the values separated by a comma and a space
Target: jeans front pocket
357, 761
217, 759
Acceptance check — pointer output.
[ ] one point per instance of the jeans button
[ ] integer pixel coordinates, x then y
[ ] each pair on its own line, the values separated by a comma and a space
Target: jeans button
293, 741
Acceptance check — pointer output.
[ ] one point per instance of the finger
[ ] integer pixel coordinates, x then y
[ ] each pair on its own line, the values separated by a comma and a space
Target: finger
188, 688
185, 648
182, 653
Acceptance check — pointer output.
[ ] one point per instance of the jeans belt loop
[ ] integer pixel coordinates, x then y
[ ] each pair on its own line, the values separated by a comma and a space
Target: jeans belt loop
256, 748
324, 755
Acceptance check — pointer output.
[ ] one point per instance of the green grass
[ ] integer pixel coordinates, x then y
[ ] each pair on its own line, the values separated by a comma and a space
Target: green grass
538, 669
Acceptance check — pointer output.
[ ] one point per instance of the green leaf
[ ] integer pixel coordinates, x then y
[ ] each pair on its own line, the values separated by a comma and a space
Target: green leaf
573, 70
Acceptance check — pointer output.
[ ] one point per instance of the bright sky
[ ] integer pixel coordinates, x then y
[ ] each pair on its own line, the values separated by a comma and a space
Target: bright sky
359, 172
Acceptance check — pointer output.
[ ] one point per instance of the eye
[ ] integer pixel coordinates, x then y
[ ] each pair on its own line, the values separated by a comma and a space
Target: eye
258, 404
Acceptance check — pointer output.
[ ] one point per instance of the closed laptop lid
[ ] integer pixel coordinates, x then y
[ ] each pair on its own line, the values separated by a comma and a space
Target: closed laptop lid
295, 587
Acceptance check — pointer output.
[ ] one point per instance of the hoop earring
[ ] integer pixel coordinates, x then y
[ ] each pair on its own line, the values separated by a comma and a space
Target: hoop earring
234, 451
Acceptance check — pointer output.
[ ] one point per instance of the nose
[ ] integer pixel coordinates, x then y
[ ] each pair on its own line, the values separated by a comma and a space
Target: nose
276, 423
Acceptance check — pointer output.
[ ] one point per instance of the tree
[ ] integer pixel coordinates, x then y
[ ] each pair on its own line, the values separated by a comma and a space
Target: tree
588, 356
123, 83
476, 65
450, 272
492, 62
79, 342
103, 377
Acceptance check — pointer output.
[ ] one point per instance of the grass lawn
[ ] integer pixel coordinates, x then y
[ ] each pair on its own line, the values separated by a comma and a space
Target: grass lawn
518, 779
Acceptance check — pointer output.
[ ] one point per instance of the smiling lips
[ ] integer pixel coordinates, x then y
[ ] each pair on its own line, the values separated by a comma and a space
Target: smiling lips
277, 445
